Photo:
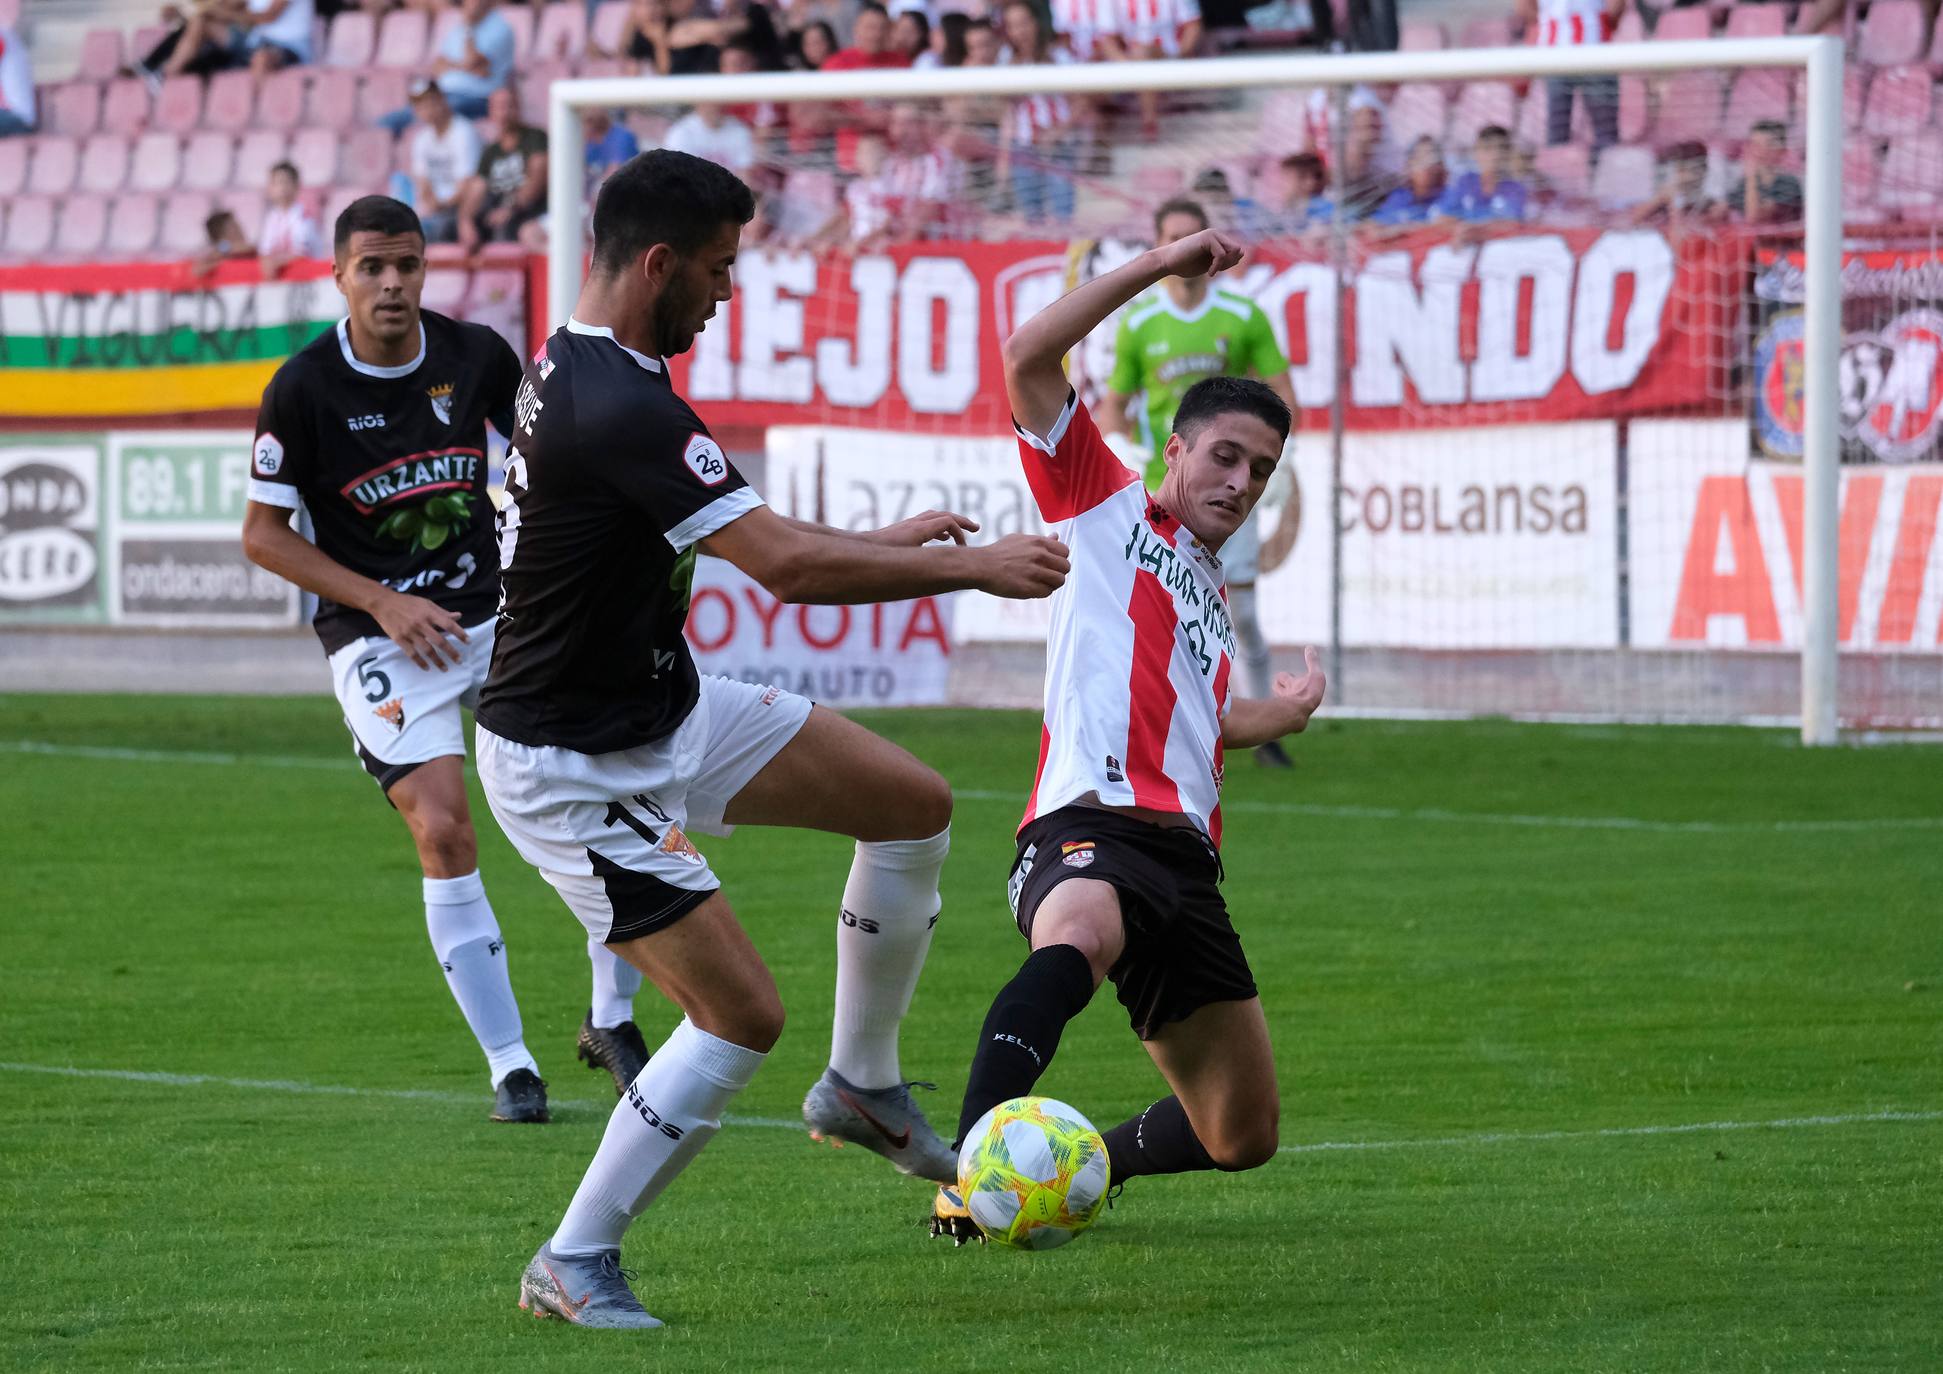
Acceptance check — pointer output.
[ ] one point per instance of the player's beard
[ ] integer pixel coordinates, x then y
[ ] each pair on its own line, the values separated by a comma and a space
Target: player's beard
677, 318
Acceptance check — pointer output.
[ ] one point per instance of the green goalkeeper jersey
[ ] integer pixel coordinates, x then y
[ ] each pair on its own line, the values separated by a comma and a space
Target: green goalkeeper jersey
1161, 350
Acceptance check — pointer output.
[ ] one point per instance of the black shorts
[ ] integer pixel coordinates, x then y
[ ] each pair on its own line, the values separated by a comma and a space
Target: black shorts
1182, 951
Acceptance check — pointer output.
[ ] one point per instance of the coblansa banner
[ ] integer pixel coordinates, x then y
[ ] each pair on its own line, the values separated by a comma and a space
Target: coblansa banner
1716, 545
1559, 325
1498, 538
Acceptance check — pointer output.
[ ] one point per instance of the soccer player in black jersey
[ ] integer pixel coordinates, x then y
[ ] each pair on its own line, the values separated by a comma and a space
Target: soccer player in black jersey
379, 428
600, 746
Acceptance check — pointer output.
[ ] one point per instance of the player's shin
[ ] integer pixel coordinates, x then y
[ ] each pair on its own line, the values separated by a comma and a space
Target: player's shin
465, 936
660, 1124
615, 983
890, 905
1023, 1027
1255, 663
1160, 1140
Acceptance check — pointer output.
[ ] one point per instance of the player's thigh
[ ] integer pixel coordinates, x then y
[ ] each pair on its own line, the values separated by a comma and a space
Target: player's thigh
400, 716
835, 775
1084, 913
1219, 1062
432, 799
706, 964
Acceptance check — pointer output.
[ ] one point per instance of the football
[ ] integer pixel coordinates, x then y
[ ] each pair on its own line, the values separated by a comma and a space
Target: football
1033, 1172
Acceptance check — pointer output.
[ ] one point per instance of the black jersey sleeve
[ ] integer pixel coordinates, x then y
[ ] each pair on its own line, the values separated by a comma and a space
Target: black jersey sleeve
686, 485
503, 379
283, 458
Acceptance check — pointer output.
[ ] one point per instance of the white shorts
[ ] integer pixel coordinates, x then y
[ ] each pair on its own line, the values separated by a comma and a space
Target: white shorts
1241, 554
608, 830
402, 715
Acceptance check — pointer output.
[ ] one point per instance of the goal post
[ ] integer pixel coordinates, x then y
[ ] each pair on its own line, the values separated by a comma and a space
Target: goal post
1816, 61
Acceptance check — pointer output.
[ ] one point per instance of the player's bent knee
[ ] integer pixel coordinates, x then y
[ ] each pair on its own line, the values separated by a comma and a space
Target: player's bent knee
753, 1019
922, 809
1249, 1146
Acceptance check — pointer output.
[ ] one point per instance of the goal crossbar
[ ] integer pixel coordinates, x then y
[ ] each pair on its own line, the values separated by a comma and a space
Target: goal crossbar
1819, 58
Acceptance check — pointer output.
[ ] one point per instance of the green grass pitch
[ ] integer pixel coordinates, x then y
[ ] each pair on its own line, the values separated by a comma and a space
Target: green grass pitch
1484, 987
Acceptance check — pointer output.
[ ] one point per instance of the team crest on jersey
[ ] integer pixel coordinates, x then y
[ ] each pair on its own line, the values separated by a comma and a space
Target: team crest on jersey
1076, 853
705, 459
674, 842
441, 399
392, 713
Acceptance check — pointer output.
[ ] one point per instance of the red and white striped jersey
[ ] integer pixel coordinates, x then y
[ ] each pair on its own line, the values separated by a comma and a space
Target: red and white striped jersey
1568, 23
1138, 656
1081, 22
1157, 22
1037, 114
905, 182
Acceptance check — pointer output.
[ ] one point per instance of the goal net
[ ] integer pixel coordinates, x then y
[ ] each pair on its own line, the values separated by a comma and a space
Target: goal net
1617, 367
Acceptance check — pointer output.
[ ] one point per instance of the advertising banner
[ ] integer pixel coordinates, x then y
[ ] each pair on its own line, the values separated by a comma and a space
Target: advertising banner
1716, 544
51, 529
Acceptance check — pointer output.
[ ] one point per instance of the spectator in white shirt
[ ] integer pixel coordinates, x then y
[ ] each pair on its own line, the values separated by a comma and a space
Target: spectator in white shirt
444, 151
709, 131
288, 231
218, 34
16, 85
475, 58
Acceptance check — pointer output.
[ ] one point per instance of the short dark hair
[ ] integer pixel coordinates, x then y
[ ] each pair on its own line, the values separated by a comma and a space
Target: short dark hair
1770, 126
1304, 162
663, 196
219, 219
1497, 133
1214, 396
374, 215
289, 167
1179, 205
869, 7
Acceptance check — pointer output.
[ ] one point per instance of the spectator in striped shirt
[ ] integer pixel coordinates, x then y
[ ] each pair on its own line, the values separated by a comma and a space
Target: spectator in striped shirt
1042, 146
907, 184
1145, 30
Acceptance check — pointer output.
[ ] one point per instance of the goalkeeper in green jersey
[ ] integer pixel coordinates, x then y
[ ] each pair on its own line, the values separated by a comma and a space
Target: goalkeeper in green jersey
1170, 338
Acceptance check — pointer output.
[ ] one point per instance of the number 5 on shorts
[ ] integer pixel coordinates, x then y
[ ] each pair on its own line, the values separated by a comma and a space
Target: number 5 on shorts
377, 685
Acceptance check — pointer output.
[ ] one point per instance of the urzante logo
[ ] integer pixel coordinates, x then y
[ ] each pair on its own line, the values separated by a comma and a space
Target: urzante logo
705, 459
47, 526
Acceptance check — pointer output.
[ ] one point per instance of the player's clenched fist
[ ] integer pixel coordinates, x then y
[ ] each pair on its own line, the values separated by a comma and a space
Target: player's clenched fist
1024, 566
1200, 255
420, 627
1303, 692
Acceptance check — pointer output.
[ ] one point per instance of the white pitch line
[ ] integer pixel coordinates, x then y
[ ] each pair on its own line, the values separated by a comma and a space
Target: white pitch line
1412, 815
285, 1085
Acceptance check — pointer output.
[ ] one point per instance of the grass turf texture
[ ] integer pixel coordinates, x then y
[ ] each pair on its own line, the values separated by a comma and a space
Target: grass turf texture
1425, 978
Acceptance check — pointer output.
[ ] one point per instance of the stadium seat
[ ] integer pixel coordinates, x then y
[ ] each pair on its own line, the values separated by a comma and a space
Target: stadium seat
184, 231
81, 226
1488, 33
1154, 183
1689, 23
1284, 125
1755, 19
381, 92
72, 109
446, 284
30, 226
101, 55
1635, 109
57, 161
448, 19
1861, 160
1855, 94
1624, 176
145, 38
124, 107
603, 66
156, 164
1418, 110
1566, 168
259, 151
247, 206
1482, 103
1757, 95
561, 34
314, 153
519, 18
13, 166
1936, 50
1899, 102
1420, 35
231, 102
336, 200
333, 100
367, 154
353, 39
280, 105
402, 38
178, 108
609, 23
498, 301
1689, 107
1909, 183
10, 12
104, 164
1891, 34
132, 226
207, 161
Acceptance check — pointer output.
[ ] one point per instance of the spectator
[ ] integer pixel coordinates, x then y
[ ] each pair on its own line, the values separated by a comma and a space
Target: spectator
288, 231
1294, 200
1682, 197
1422, 189
226, 241
1368, 164
1150, 29
1487, 192
947, 42
509, 187
672, 38
16, 85
711, 132
911, 35
983, 47
608, 146
262, 35
1042, 144
444, 149
474, 60
815, 44
870, 43
1576, 23
1767, 194
1082, 24
906, 187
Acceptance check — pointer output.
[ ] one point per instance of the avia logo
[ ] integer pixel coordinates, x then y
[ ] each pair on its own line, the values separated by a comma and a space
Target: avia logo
441, 398
650, 1115
415, 475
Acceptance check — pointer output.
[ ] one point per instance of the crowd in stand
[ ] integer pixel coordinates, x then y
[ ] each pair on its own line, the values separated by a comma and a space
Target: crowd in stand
866, 173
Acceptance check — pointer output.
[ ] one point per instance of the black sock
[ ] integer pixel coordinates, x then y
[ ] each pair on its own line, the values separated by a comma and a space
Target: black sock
1158, 1141
1022, 1029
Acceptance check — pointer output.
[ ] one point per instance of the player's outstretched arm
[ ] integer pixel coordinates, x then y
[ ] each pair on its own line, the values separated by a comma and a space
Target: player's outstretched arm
800, 564
416, 625
923, 528
1035, 374
1251, 721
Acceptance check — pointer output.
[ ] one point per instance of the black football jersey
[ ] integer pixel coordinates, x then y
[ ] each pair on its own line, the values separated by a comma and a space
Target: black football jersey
391, 463
611, 482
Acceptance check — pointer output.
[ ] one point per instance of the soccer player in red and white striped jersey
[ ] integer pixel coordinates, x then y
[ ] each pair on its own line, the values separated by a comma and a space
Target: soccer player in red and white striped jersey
1118, 867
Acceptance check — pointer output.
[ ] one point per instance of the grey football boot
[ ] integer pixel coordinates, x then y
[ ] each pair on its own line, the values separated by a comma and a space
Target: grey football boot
886, 1120
586, 1290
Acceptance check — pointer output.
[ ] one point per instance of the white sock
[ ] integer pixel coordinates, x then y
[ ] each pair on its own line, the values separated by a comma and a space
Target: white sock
890, 905
466, 938
615, 983
1255, 666
667, 1115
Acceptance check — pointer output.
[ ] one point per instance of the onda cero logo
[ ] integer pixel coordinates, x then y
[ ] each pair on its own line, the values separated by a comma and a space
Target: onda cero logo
48, 522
